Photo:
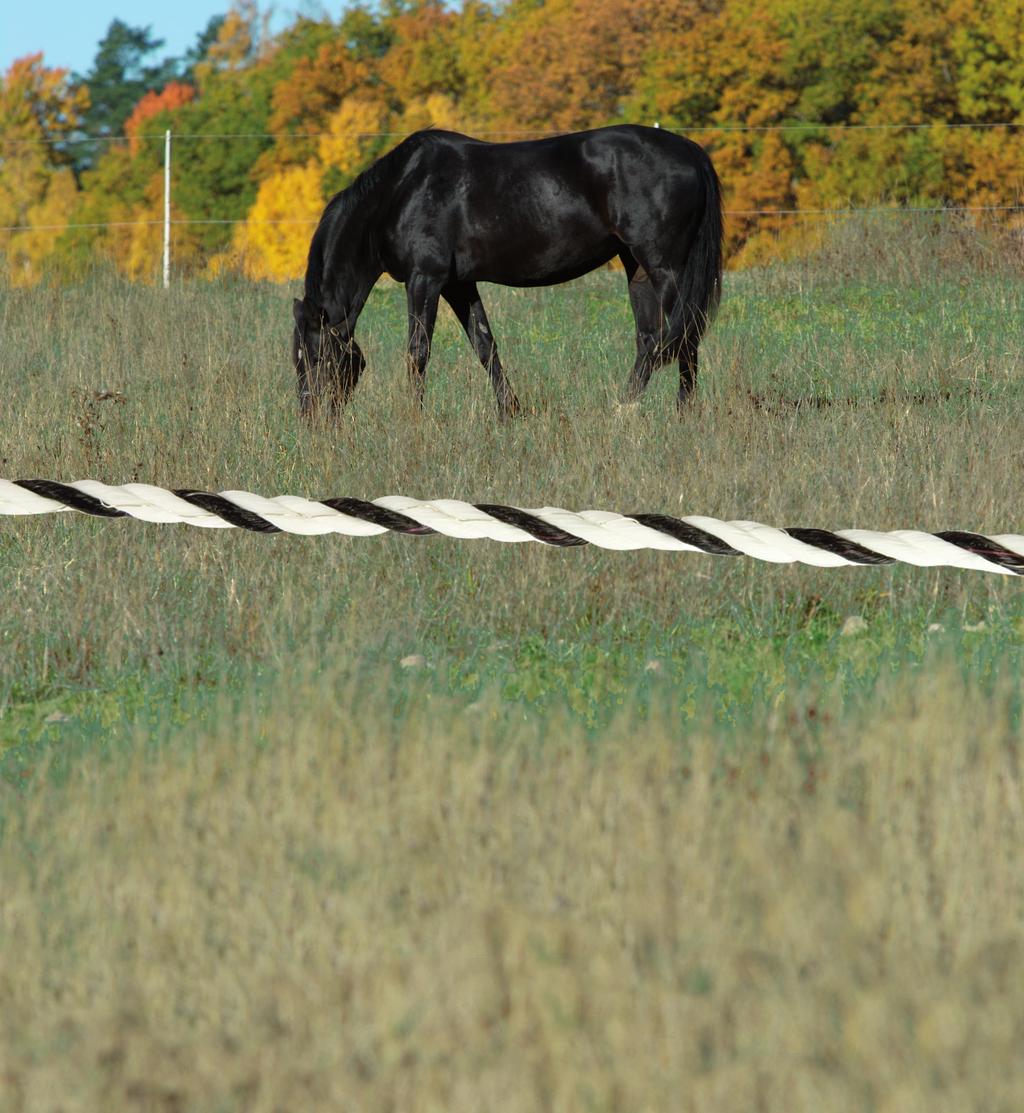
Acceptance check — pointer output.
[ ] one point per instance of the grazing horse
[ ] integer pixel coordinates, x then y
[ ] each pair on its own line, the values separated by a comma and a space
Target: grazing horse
442, 212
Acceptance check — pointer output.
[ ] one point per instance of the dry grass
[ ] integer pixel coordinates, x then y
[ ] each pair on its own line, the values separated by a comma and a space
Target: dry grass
251, 864
193, 388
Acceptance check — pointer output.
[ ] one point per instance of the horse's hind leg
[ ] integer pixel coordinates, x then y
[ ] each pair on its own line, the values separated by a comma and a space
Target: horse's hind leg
687, 369
464, 298
648, 314
422, 292
653, 295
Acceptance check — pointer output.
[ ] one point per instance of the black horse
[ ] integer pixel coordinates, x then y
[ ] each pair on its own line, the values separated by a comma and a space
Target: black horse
442, 212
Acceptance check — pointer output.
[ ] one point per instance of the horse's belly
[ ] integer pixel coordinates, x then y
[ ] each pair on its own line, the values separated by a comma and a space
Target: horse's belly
522, 257
550, 276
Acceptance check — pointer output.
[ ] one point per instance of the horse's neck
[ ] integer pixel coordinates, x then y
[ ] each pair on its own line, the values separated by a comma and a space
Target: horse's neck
347, 281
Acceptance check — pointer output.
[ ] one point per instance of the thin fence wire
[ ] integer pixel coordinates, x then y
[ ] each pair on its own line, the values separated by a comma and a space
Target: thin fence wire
937, 210
906, 210
541, 133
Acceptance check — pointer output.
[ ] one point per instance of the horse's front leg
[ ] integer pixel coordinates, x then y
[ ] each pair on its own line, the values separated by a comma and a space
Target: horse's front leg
346, 369
422, 292
464, 298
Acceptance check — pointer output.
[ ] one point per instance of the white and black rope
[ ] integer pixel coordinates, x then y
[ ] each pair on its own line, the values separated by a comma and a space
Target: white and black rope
550, 524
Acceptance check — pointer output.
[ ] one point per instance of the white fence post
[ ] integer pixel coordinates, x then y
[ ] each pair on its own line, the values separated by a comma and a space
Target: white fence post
167, 208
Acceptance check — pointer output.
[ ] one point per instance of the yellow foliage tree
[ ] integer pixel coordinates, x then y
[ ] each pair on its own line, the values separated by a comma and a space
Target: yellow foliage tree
274, 241
988, 46
757, 169
234, 44
986, 168
355, 134
38, 107
29, 250
142, 260
437, 110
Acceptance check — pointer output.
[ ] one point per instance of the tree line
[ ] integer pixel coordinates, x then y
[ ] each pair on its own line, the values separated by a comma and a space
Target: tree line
798, 101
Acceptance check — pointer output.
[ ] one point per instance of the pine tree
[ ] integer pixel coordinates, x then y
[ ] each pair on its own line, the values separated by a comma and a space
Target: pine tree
119, 77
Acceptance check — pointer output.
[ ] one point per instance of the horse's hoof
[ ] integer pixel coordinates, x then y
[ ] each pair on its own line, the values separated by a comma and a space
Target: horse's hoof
509, 408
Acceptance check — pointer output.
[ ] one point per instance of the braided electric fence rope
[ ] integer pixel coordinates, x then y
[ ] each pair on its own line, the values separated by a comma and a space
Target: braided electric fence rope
551, 525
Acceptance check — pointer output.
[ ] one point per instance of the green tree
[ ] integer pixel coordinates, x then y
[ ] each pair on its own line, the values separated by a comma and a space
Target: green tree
120, 75
213, 178
423, 55
199, 51
365, 32
217, 180
988, 46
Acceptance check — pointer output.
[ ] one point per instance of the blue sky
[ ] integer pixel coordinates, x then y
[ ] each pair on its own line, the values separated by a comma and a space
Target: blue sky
67, 31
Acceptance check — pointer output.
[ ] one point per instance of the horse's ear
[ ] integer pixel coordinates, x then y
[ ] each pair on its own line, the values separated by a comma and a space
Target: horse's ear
299, 312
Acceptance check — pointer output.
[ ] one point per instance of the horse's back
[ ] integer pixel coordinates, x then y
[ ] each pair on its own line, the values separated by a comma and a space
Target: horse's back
602, 153
652, 178
542, 210
628, 172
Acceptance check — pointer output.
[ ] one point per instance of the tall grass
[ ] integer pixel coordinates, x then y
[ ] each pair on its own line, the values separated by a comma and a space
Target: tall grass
835, 404
633, 831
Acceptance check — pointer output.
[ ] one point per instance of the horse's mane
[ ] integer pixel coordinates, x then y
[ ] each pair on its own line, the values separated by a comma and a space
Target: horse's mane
384, 171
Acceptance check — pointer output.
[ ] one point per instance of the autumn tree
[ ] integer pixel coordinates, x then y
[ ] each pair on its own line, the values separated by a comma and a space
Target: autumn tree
274, 240
39, 110
423, 55
436, 110
314, 91
987, 48
234, 44
356, 134
564, 64
174, 95
803, 104
784, 82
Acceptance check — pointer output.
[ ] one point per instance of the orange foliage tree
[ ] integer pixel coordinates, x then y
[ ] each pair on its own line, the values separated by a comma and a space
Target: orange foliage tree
302, 105
173, 95
562, 65
423, 56
806, 77
140, 256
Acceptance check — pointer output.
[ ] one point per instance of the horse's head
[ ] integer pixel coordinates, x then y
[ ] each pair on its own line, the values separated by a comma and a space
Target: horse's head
326, 357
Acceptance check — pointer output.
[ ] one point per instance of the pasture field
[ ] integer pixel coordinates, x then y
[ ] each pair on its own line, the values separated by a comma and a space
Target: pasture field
641, 831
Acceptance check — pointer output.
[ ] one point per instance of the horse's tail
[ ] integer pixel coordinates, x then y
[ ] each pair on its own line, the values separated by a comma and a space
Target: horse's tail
699, 278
